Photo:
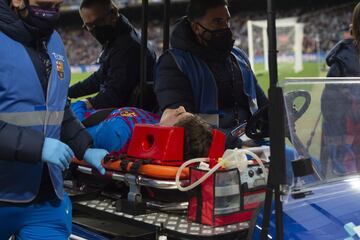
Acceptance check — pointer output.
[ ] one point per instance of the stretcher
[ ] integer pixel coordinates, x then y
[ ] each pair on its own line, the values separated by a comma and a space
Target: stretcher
147, 172
153, 158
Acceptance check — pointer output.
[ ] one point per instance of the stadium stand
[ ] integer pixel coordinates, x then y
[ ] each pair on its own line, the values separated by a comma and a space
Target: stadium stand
83, 49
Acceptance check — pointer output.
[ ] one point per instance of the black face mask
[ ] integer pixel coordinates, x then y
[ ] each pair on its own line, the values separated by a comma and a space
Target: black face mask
103, 33
220, 40
42, 19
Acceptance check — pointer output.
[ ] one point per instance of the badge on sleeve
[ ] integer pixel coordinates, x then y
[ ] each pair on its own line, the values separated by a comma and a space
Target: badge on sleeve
60, 69
59, 65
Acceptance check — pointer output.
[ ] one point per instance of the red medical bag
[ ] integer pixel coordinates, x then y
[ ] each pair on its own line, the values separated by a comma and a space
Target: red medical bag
222, 199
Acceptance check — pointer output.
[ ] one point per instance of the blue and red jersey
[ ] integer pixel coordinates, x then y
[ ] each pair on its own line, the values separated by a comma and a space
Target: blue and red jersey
114, 133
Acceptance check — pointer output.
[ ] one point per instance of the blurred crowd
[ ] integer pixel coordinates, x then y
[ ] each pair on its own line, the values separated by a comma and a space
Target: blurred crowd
329, 26
81, 47
322, 29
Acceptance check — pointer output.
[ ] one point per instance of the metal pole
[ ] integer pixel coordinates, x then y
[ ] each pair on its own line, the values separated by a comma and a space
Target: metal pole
166, 26
267, 208
273, 71
144, 37
277, 134
276, 119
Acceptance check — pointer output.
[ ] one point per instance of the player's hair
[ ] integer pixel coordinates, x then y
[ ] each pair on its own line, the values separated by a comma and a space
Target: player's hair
197, 137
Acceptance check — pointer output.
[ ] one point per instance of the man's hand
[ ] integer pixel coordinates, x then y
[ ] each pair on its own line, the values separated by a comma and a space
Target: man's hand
94, 156
57, 152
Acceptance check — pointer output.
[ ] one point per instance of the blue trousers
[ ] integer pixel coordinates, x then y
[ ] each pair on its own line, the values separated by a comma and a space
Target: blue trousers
36, 221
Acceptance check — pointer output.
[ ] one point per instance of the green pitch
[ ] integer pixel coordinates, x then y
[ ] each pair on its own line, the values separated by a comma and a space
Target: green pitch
76, 77
285, 70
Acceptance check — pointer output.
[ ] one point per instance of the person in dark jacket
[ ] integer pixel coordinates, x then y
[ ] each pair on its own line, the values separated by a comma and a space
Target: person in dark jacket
117, 80
205, 73
39, 135
341, 105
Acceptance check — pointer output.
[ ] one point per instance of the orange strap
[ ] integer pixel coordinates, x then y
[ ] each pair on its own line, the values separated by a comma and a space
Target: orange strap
149, 170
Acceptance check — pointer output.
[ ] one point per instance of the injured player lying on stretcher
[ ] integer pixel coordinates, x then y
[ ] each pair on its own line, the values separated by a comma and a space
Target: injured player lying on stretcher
111, 129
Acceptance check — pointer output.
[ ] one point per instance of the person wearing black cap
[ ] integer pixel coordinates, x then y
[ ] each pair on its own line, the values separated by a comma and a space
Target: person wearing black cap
205, 73
39, 135
117, 82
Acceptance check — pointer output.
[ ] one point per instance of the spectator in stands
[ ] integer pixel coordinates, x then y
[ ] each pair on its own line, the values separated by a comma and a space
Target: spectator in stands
117, 81
341, 105
112, 129
80, 45
204, 72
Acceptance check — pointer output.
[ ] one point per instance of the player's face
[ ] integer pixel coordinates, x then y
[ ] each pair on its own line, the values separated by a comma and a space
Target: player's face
172, 116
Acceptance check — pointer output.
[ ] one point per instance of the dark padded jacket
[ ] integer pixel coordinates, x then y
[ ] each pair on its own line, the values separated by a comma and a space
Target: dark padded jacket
173, 88
16, 141
119, 73
343, 60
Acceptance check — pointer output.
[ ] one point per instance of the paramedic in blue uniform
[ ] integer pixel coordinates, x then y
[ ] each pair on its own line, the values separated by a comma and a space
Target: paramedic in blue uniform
205, 73
39, 135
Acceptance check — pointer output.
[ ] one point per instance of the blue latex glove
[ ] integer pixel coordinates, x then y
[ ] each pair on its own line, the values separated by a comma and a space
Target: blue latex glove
94, 156
56, 152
